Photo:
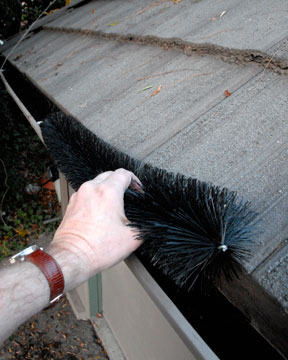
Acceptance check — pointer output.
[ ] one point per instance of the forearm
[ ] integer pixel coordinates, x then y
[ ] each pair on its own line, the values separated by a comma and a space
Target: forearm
24, 290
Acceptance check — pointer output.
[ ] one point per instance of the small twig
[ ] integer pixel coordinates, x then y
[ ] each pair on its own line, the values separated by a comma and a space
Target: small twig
57, 218
161, 74
185, 79
273, 56
5, 192
218, 33
138, 66
149, 7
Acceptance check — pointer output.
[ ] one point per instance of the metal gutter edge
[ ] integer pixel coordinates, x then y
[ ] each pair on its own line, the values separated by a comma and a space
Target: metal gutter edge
186, 332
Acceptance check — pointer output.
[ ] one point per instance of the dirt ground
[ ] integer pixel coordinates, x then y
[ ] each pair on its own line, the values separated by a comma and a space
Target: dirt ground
54, 333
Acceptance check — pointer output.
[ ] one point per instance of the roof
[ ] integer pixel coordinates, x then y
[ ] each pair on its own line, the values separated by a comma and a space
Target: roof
196, 87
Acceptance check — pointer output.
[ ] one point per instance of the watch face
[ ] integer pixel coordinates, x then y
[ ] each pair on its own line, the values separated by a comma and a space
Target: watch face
21, 255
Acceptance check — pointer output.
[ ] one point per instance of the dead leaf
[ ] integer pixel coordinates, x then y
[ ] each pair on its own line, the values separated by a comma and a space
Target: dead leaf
227, 93
115, 23
93, 11
51, 12
22, 233
84, 105
17, 57
214, 18
43, 79
156, 91
176, 1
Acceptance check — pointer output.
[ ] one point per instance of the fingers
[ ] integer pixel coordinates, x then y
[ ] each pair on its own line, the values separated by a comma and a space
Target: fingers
119, 180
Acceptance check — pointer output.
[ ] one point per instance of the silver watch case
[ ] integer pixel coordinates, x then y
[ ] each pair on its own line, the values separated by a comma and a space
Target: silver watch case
20, 256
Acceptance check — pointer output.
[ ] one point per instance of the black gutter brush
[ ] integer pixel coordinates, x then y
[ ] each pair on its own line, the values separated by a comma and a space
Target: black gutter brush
190, 228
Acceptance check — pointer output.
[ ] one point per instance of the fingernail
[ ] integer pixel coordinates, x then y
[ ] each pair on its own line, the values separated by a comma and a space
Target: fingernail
136, 185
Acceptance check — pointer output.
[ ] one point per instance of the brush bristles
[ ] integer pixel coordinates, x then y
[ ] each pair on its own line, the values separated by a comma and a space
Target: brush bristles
190, 228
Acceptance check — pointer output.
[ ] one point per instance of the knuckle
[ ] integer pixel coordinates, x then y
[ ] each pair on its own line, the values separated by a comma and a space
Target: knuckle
105, 189
86, 187
101, 190
122, 171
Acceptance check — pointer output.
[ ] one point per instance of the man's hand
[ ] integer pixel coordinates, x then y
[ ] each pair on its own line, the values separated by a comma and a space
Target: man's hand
92, 237
94, 234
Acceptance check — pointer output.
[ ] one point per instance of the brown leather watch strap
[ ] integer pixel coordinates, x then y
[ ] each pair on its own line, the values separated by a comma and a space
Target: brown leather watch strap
52, 272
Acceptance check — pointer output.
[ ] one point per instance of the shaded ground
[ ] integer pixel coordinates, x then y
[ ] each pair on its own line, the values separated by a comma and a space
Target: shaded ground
54, 334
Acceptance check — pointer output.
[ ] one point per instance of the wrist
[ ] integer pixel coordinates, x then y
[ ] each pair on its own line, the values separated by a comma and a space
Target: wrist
73, 266
50, 269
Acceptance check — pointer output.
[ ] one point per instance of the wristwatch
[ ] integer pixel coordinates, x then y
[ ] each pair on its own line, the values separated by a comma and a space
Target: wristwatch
48, 266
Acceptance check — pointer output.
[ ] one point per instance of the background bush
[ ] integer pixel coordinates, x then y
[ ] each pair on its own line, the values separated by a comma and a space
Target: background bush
17, 15
23, 158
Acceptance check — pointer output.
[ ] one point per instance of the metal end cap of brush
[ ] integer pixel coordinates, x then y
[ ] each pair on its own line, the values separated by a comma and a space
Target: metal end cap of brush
223, 247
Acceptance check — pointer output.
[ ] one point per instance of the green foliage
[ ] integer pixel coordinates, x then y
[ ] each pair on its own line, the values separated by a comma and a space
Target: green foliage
10, 19
33, 8
17, 15
25, 223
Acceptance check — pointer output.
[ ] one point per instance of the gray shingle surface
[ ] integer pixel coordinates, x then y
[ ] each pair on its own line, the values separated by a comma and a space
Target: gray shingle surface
190, 126
230, 23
